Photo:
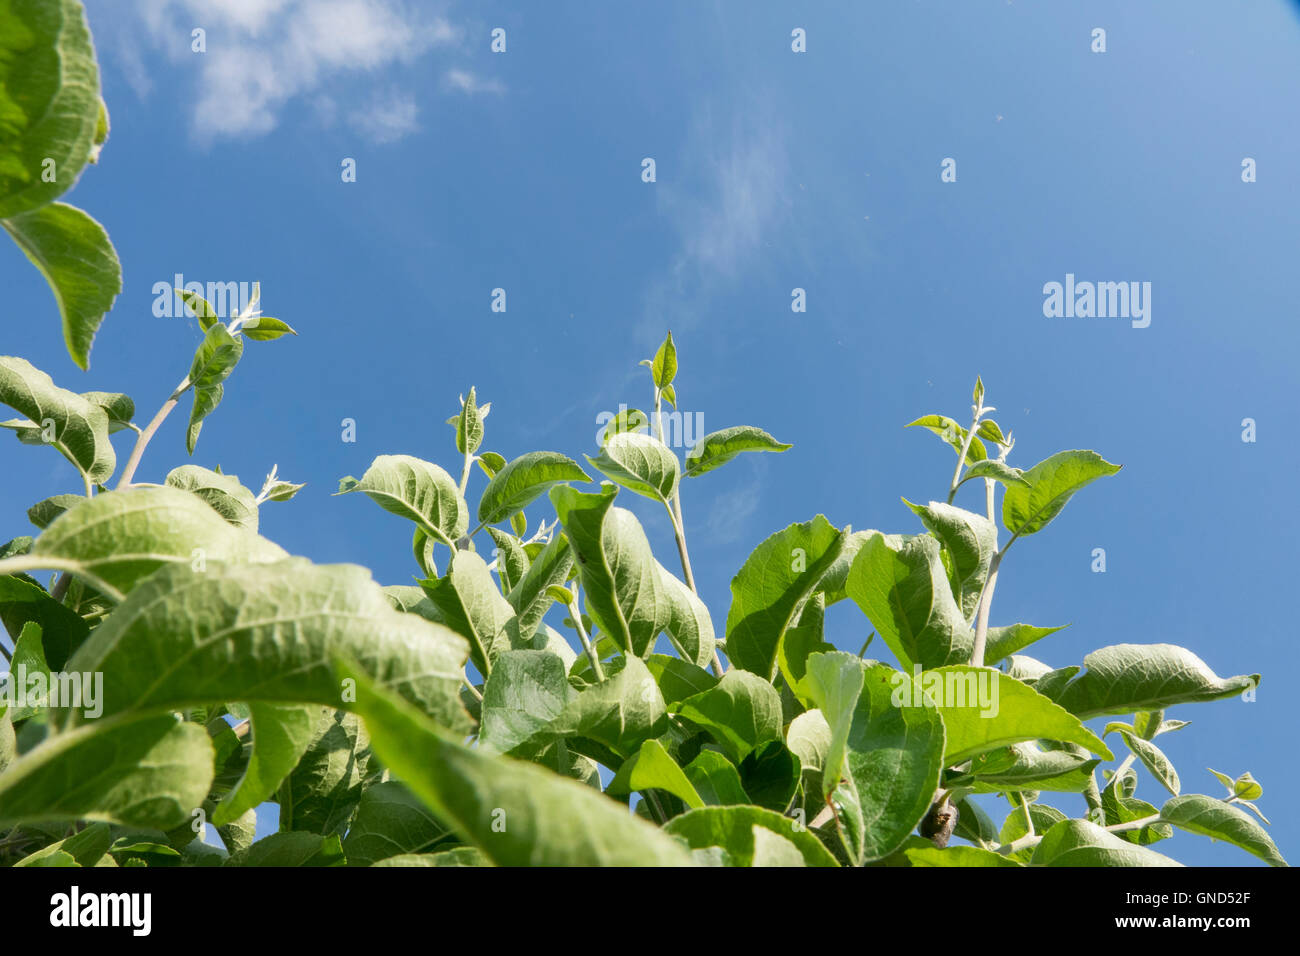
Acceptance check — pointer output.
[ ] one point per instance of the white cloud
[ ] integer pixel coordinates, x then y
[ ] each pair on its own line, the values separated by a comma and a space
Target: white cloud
467, 82
730, 513
387, 119
265, 58
723, 224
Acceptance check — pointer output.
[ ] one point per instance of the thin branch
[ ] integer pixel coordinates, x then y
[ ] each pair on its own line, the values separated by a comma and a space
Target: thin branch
25, 562
142, 442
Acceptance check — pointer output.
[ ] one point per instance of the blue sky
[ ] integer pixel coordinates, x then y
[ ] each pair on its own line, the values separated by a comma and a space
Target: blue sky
775, 170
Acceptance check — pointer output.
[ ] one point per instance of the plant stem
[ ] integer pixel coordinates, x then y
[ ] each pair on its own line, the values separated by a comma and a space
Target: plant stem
674, 506
586, 641
1031, 840
468, 683
982, 615
137, 452
464, 472
961, 457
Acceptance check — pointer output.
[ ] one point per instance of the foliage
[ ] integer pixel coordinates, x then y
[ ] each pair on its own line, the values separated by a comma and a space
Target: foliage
456, 722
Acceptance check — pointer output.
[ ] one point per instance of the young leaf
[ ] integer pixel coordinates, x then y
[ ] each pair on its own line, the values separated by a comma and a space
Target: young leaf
118, 407
716, 449
263, 328
291, 849
1153, 758
627, 420
80, 427
472, 606
953, 434
771, 588
664, 367
517, 814
214, 360
640, 463
200, 307
1005, 641
996, 470
524, 480
469, 426
43, 512
688, 625
417, 490
1027, 508
390, 823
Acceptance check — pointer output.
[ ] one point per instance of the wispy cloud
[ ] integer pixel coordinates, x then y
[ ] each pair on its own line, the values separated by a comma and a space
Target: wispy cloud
466, 82
722, 224
264, 58
731, 512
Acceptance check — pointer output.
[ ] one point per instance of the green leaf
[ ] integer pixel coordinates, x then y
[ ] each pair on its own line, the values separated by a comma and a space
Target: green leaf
524, 480
84, 848
80, 428
266, 633
118, 407
1027, 766
291, 849
43, 512
1080, 843
626, 420
62, 630
49, 101
771, 589
530, 596
984, 709
417, 490
1154, 759
717, 448
1027, 509
651, 768
281, 735
969, 539
955, 856
953, 434
74, 254
223, 493
996, 470
472, 606
526, 692
621, 581
716, 779
390, 822
1005, 641
890, 752
640, 463
770, 775
147, 773
900, 584
122, 536
688, 624
491, 463
323, 792
1197, 813
517, 814
1125, 678
263, 328
742, 712
214, 360
283, 491
678, 679
200, 307
664, 367
469, 426
460, 856
732, 828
